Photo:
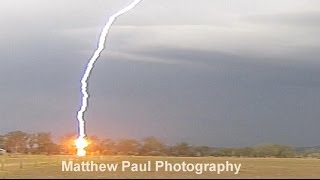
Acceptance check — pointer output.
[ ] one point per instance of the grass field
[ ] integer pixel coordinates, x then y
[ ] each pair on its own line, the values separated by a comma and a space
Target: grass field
33, 166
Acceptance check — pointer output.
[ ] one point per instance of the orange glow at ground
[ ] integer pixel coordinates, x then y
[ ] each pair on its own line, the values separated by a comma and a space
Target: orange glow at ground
81, 143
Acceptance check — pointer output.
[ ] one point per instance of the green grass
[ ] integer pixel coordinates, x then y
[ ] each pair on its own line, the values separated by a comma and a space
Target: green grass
36, 166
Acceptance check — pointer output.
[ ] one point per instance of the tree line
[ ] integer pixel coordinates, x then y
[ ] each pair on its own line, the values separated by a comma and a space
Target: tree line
42, 143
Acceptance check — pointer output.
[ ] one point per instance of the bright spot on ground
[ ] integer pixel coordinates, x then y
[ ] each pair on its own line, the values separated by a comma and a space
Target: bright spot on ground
81, 143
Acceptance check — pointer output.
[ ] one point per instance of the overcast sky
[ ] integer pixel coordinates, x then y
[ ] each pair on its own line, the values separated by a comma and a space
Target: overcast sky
213, 72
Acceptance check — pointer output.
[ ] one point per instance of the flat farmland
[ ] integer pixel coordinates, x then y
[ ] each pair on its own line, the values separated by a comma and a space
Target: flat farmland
38, 166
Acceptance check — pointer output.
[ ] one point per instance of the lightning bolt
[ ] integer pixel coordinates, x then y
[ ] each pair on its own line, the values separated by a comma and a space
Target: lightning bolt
94, 58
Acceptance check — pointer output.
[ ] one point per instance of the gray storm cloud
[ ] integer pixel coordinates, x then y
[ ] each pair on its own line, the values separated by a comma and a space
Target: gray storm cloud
243, 72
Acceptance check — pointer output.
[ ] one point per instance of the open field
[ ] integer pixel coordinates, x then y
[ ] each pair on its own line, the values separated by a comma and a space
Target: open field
34, 166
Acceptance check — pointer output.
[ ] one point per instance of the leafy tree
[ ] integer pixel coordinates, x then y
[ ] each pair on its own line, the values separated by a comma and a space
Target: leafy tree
181, 149
227, 152
16, 142
44, 143
245, 152
32, 143
273, 150
2, 141
203, 151
67, 143
128, 147
108, 147
284, 151
152, 146
95, 146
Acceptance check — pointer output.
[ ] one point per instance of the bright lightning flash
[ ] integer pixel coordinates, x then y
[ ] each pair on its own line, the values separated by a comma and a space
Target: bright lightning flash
81, 145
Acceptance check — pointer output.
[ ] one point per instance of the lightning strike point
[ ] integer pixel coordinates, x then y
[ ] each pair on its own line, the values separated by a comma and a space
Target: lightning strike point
81, 144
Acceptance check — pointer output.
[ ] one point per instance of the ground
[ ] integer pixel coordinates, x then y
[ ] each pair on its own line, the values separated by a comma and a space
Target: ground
34, 166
